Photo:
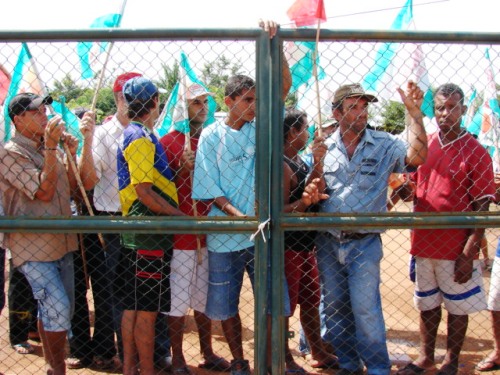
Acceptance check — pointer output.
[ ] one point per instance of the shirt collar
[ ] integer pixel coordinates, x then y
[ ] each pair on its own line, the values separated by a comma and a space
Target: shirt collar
26, 142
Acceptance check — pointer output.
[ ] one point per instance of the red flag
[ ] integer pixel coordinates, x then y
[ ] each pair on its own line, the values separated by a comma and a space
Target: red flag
307, 12
4, 83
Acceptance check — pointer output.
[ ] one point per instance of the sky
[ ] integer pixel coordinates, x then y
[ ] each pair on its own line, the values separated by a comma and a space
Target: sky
430, 15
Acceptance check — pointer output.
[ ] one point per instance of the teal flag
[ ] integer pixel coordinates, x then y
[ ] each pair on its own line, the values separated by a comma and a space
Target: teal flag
15, 84
84, 49
301, 63
72, 121
387, 51
175, 111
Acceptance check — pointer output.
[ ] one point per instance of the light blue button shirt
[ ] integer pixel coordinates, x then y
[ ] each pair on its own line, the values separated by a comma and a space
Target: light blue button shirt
360, 185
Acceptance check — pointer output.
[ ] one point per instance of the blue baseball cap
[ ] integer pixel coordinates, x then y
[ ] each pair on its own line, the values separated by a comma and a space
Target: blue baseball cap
138, 89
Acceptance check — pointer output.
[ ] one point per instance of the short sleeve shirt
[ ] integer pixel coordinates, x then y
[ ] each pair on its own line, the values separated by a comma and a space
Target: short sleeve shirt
359, 184
225, 167
174, 143
452, 178
21, 164
141, 159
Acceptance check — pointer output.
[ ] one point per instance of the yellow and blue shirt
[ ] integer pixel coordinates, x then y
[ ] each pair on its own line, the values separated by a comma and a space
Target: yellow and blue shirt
141, 159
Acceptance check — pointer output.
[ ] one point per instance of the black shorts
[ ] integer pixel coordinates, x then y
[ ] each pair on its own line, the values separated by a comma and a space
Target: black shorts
146, 279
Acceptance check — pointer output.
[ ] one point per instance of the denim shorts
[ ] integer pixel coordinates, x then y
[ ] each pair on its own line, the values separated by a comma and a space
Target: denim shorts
52, 284
225, 280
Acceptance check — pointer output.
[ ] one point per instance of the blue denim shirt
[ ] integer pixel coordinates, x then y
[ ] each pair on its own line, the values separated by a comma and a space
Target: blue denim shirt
360, 184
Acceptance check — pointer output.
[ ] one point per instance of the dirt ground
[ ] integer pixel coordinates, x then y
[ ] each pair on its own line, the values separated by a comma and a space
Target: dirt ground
401, 322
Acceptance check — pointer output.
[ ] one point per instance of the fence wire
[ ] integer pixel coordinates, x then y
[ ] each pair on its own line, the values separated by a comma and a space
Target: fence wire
249, 169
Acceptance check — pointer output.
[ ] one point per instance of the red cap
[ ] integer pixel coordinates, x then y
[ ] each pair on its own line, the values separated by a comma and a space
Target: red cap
122, 78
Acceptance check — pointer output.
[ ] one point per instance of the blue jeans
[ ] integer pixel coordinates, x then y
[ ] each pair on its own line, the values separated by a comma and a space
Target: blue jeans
52, 284
350, 280
225, 281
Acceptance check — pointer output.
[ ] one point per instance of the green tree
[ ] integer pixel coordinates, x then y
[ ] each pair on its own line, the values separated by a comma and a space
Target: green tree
393, 117
215, 75
68, 88
168, 81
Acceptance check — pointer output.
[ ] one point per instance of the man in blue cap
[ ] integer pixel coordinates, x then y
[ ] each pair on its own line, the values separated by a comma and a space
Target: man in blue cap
146, 188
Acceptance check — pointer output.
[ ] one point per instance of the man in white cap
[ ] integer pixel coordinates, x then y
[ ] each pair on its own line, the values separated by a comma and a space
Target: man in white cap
189, 277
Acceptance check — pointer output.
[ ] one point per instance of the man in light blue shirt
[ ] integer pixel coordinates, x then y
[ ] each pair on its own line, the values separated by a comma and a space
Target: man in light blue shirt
356, 168
225, 175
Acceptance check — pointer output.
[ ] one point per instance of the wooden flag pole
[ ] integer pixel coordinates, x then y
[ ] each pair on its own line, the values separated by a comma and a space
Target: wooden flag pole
187, 145
316, 82
105, 64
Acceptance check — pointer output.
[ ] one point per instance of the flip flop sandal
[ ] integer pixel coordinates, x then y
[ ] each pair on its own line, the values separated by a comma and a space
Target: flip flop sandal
412, 369
487, 365
74, 363
182, 371
23, 348
330, 364
217, 364
296, 371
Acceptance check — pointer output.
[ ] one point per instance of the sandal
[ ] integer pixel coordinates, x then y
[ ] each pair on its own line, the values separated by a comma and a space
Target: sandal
103, 363
74, 363
332, 363
215, 364
296, 371
487, 365
23, 348
182, 371
412, 369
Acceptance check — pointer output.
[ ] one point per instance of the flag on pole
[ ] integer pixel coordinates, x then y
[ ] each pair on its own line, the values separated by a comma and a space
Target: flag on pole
71, 120
88, 52
25, 78
307, 12
489, 113
175, 111
472, 108
397, 63
300, 57
4, 83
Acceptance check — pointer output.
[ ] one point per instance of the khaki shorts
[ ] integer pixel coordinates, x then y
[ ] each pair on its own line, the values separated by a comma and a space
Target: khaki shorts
188, 282
434, 285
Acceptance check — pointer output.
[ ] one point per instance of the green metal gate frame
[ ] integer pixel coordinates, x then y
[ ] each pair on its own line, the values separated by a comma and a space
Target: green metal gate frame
269, 169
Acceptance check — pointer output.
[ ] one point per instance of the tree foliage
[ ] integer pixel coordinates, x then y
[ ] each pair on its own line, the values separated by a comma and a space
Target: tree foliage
393, 117
215, 75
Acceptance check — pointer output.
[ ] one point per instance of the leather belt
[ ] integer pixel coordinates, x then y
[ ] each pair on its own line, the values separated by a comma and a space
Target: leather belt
347, 235
109, 213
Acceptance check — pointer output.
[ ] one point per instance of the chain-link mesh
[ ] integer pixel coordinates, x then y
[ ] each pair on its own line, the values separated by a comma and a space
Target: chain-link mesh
222, 164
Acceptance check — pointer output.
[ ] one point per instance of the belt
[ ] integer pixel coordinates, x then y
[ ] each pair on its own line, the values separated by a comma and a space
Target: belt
109, 213
347, 235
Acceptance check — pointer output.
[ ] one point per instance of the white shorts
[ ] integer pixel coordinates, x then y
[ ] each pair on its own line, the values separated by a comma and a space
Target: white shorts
434, 285
494, 296
188, 282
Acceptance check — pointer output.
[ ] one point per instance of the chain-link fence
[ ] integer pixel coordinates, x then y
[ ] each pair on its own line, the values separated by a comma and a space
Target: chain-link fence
332, 275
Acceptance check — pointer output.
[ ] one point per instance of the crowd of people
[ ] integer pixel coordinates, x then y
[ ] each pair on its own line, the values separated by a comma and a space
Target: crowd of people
144, 285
